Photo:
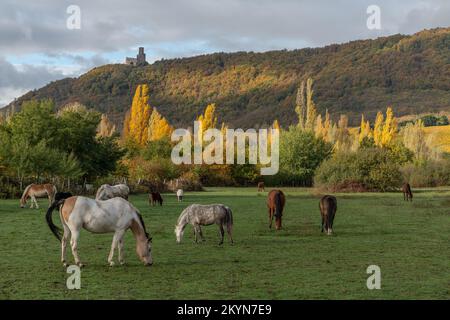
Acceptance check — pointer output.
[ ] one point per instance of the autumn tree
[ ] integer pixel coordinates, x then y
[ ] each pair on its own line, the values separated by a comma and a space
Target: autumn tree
389, 128
208, 120
305, 106
378, 129
343, 140
136, 124
158, 126
364, 129
105, 128
300, 105
311, 111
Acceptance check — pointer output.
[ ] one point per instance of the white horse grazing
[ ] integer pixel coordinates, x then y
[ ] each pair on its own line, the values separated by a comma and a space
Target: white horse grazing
114, 215
180, 194
205, 215
34, 191
106, 192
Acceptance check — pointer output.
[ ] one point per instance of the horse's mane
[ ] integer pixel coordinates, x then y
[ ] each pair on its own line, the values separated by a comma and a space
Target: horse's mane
143, 225
182, 215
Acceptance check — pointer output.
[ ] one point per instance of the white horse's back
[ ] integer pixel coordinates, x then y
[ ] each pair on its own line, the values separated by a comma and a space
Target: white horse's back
102, 216
106, 192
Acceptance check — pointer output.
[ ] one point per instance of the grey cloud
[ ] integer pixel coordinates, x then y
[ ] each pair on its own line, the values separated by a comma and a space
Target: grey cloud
266, 24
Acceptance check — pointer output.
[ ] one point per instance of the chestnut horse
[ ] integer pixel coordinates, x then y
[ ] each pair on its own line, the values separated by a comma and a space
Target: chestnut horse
155, 197
34, 191
328, 207
275, 203
407, 193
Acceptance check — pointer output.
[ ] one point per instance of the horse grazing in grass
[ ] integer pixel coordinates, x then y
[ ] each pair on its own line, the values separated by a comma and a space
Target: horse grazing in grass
407, 193
155, 197
34, 191
328, 207
180, 195
204, 215
275, 202
106, 192
115, 215
261, 186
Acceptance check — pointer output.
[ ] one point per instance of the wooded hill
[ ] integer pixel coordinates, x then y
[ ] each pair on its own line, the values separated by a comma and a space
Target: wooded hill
411, 73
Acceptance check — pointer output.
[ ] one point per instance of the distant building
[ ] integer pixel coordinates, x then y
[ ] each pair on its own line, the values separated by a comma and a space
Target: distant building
139, 60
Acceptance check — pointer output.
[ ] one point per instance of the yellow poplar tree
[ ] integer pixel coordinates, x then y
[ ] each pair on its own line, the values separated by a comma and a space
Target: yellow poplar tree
389, 128
319, 128
300, 105
137, 123
158, 126
364, 130
378, 129
311, 111
327, 126
208, 120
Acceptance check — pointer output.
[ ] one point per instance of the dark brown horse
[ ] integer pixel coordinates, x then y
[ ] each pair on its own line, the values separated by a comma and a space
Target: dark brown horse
328, 207
155, 197
261, 186
275, 203
407, 193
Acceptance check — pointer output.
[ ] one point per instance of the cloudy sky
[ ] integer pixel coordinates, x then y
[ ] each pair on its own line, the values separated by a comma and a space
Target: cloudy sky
36, 46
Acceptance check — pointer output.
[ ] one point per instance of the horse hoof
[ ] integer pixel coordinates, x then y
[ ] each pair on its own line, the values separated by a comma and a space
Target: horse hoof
65, 264
80, 264
122, 263
111, 264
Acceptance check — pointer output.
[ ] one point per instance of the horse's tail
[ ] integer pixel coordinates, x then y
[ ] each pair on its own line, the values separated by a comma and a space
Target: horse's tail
24, 194
229, 218
54, 229
278, 205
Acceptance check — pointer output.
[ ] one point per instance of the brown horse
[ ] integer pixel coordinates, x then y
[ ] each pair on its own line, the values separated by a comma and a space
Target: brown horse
407, 193
34, 191
328, 207
261, 186
275, 203
155, 197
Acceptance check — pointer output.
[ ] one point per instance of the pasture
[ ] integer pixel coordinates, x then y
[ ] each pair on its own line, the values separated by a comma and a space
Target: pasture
410, 242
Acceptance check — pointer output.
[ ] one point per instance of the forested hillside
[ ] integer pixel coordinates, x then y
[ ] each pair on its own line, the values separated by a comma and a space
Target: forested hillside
252, 89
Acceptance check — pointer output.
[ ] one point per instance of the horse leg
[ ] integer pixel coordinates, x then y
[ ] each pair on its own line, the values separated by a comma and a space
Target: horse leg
322, 223
74, 243
195, 232
120, 243
113, 247
222, 233
201, 233
36, 204
64, 240
270, 218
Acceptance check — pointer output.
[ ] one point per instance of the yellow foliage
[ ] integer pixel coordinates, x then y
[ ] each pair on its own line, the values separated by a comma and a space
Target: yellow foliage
364, 130
378, 129
137, 122
441, 137
158, 126
389, 128
208, 120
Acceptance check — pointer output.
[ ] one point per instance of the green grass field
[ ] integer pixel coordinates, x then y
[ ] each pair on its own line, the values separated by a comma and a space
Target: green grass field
410, 242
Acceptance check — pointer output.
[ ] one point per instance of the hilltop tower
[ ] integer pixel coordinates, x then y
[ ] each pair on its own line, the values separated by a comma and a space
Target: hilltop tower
139, 60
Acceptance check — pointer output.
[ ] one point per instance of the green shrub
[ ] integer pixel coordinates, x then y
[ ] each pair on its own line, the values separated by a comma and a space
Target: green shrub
428, 174
371, 169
